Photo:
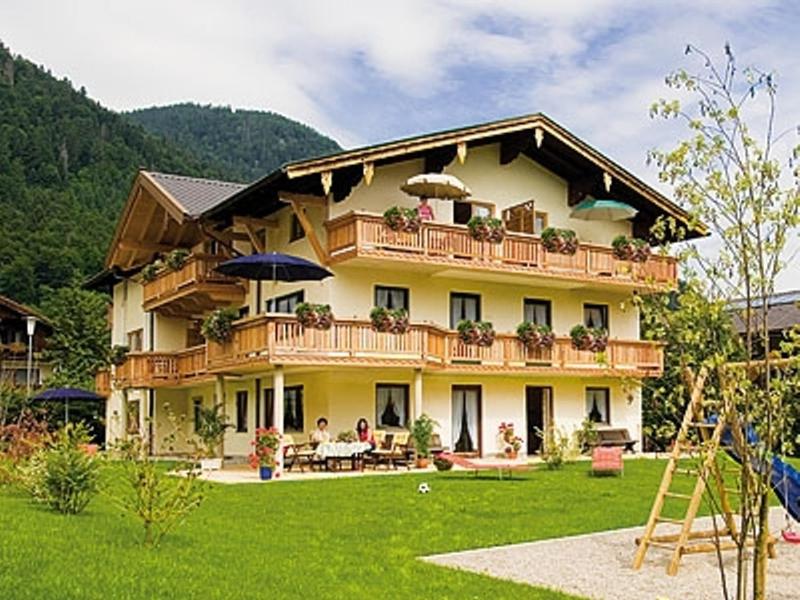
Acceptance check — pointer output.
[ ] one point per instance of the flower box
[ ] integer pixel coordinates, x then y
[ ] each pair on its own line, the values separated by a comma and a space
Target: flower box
487, 229
385, 320
589, 338
560, 241
633, 249
405, 220
535, 337
218, 326
476, 333
314, 316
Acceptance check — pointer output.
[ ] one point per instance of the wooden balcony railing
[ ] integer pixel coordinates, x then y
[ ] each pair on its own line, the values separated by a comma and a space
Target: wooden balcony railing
358, 234
266, 339
102, 382
154, 369
196, 284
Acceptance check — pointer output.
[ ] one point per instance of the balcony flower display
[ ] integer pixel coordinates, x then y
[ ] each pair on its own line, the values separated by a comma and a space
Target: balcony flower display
589, 338
151, 271
486, 229
535, 337
385, 320
476, 333
265, 451
560, 241
218, 326
510, 443
176, 259
406, 220
633, 249
118, 355
314, 316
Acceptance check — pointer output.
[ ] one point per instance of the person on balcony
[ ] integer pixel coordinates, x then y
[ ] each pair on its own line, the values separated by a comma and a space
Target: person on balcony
425, 210
320, 435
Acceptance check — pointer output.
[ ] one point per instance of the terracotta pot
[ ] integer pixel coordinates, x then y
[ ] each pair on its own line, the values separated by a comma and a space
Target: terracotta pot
422, 463
511, 454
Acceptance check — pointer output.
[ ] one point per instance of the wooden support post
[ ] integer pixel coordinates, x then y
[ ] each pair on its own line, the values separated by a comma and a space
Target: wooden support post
417, 394
277, 398
219, 398
308, 228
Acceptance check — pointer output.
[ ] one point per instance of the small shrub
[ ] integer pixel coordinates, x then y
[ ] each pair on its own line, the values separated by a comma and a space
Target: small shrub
265, 448
212, 424
556, 449
218, 326
175, 259
69, 474
24, 438
587, 435
118, 355
422, 431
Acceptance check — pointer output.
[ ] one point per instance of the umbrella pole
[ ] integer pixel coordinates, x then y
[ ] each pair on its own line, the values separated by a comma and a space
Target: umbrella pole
66, 411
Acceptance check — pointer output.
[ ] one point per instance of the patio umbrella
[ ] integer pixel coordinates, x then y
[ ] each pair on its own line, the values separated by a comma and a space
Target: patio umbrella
603, 210
66, 394
273, 266
436, 185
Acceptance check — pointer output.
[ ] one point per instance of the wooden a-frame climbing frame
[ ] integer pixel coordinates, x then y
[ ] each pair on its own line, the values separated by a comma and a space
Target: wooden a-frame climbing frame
707, 472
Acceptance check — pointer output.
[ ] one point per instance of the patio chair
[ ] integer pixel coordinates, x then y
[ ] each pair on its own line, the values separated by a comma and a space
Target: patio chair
607, 459
475, 465
301, 455
396, 452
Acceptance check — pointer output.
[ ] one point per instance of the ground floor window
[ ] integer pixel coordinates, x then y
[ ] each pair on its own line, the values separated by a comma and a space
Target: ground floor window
292, 408
241, 411
197, 404
391, 405
466, 418
598, 405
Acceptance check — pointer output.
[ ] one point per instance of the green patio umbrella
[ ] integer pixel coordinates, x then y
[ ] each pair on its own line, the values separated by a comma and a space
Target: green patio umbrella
603, 210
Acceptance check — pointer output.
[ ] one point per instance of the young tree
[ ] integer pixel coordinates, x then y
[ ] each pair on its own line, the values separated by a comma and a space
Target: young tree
728, 173
80, 343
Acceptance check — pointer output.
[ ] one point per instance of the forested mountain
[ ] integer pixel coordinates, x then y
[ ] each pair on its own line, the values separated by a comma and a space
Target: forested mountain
66, 165
247, 143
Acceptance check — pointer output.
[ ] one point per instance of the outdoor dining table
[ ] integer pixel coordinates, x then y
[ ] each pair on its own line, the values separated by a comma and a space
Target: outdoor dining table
335, 452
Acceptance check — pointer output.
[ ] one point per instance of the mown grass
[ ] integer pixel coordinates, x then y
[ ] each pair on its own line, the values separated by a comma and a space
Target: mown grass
347, 538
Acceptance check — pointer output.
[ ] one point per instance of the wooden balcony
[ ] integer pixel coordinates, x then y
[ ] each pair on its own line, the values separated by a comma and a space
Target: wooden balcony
360, 235
262, 340
102, 382
157, 369
192, 290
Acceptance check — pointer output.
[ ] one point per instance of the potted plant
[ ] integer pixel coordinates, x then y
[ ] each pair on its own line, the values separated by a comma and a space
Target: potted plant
421, 432
486, 229
633, 249
118, 355
265, 452
405, 220
211, 426
151, 271
218, 326
348, 436
535, 337
176, 258
593, 339
314, 316
560, 241
385, 320
510, 442
476, 333
442, 464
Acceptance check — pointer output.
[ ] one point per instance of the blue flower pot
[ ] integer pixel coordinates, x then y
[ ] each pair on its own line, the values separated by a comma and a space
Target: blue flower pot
265, 473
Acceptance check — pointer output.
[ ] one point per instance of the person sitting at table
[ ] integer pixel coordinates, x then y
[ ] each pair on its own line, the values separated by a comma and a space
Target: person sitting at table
320, 435
364, 432
425, 210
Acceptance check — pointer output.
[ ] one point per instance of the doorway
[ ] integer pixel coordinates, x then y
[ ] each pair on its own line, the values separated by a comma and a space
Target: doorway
539, 416
466, 419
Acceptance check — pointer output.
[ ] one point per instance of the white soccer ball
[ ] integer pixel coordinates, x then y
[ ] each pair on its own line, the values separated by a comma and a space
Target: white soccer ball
424, 488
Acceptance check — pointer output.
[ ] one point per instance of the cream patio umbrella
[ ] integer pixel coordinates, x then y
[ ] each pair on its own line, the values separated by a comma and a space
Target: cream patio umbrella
436, 185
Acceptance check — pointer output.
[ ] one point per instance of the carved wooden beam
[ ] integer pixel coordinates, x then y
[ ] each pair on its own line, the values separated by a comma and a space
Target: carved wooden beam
311, 234
436, 160
512, 145
578, 189
302, 199
144, 246
346, 180
255, 239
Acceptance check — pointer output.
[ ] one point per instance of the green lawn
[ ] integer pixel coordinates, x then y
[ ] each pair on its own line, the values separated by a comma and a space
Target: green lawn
346, 538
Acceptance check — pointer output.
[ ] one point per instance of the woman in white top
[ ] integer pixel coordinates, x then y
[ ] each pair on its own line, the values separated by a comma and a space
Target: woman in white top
321, 435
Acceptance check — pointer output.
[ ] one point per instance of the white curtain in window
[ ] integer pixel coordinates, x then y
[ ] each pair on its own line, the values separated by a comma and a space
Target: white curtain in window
464, 434
391, 298
391, 406
597, 405
536, 312
595, 317
463, 307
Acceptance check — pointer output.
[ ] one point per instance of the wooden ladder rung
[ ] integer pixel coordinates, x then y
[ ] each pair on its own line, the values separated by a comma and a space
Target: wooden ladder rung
703, 425
662, 545
670, 520
683, 471
732, 491
677, 495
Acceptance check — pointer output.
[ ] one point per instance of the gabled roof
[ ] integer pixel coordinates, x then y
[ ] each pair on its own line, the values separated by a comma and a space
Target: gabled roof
162, 210
22, 310
783, 311
536, 135
194, 195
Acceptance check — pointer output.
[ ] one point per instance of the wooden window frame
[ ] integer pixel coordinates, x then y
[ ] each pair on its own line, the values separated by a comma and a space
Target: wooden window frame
454, 324
272, 302
406, 403
242, 409
608, 402
405, 290
547, 303
296, 231
606, 310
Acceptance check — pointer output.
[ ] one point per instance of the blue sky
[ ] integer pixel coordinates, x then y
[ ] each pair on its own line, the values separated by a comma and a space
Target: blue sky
367, 71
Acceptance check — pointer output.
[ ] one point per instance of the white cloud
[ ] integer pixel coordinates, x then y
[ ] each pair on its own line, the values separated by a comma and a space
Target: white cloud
365, 70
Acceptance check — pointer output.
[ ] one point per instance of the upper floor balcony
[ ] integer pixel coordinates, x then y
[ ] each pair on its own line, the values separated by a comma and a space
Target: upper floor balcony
365, 236
193, 289
259, 342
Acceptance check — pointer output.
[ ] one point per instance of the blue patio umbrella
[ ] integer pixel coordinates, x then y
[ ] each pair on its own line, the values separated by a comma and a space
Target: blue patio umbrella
273, 266
66, 394
603, 210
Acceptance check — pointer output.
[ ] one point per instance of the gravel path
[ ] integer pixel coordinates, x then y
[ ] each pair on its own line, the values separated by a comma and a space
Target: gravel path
599, 566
